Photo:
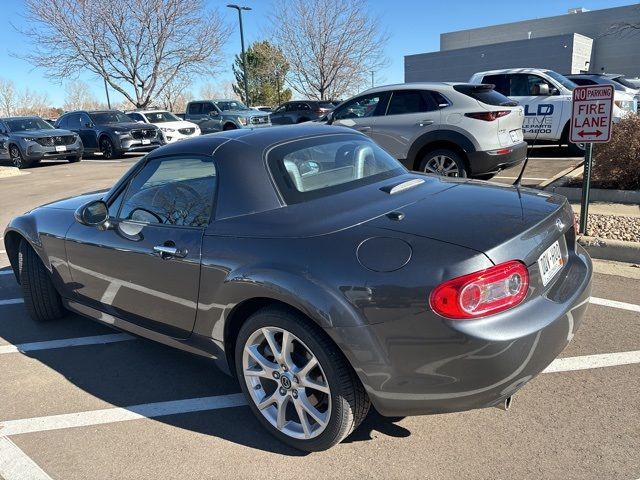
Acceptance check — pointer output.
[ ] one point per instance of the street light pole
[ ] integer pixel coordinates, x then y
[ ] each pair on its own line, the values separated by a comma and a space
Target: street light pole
106, 90
371, 78
244, 59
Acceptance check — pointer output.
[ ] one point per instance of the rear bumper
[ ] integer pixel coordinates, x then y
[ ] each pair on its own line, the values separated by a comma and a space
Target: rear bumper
482, 163
426, 364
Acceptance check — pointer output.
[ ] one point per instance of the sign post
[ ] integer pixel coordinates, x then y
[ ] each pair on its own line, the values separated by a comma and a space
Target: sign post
592, 107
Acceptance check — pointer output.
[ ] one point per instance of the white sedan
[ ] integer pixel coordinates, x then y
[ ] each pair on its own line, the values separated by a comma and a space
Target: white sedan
172, 127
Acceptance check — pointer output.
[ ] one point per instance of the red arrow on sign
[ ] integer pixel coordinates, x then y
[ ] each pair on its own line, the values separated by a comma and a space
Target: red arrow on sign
583, 134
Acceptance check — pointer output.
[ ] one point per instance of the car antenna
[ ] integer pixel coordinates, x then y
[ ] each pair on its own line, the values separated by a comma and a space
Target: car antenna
529, 149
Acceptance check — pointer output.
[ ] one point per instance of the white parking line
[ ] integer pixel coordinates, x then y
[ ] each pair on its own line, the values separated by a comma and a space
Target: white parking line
113, 415
3, 251
11, 301
615, 304
66, 342
16, 465
523, 178
587, 362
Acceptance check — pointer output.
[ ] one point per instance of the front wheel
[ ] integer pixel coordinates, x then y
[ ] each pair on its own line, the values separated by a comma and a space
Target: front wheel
444, 162
297, 382
40, 296
17, 159
108, 149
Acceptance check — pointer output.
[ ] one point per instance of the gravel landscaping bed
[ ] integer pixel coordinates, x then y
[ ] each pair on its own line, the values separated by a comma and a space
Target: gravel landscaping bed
614, 227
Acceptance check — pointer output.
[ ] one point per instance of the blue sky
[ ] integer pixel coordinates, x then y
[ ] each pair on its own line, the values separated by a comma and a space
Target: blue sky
414, 27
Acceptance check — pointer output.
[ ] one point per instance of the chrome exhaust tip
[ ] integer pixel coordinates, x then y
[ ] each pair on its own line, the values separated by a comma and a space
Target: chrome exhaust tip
505, 404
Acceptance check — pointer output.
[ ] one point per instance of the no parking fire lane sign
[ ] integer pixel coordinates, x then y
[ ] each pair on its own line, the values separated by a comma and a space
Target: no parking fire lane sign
591, 114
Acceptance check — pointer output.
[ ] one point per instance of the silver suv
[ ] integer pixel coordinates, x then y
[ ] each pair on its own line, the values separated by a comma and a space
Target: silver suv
452, 129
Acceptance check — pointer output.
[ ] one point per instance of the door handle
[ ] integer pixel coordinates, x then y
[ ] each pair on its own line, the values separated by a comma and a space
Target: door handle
424, 123
166, 252
364, 129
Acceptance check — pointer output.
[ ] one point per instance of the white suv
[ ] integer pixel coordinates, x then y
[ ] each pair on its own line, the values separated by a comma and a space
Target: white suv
452, 129
546, 98
172, 127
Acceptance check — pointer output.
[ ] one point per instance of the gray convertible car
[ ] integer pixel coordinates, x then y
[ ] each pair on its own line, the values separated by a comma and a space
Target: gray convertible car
314, 267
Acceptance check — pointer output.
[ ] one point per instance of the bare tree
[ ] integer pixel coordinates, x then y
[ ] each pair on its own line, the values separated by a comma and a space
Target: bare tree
217, 90
138, 46
7, 97
78, 96
331, 45
33, 103
176, 96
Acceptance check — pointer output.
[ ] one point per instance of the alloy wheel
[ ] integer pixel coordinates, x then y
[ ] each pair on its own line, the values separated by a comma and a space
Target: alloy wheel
286, 382
16, 156
106, 148
442, 165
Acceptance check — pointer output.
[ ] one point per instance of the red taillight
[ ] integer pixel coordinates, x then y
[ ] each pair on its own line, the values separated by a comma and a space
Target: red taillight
481, 293
488, 116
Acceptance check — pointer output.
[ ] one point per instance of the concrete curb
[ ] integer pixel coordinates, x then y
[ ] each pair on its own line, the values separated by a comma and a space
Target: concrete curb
615, 250
598, 195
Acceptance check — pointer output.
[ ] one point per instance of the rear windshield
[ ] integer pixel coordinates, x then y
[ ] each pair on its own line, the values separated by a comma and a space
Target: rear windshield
485, 94
322, 166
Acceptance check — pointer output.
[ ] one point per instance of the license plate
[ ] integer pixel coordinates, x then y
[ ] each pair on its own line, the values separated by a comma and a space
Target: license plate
550, 263
61, 148
146, 141
514, 135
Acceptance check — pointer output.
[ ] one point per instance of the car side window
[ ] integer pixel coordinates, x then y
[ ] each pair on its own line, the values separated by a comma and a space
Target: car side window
583, 81
501, 83
136, 117
359, 107
195, 108
84, 120
409, 101
526, 85
291, 107
176, 191
62, 122
303, 106
207, 108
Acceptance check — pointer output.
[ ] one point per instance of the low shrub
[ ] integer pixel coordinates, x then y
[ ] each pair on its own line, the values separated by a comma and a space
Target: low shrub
616, 164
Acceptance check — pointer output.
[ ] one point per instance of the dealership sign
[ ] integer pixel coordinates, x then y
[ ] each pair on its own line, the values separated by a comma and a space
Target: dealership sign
591, 114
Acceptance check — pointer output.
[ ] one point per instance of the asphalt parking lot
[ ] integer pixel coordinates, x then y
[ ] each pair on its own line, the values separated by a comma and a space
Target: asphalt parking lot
79, 400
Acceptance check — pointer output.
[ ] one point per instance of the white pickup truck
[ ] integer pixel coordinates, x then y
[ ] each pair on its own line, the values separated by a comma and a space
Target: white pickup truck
546, 98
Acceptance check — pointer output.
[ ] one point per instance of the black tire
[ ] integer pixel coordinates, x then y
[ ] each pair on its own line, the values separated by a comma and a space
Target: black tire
349, 402
302, 120
229, 126
17, 158
426, 164
74, 159
40, 296
108, 150
575, 149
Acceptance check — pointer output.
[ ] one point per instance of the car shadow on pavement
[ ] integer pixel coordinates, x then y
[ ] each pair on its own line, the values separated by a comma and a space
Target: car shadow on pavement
550, 151
130, 373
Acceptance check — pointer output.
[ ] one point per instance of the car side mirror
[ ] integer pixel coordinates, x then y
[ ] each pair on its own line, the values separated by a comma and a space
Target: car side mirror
213, 113
330, 118
88, 125
93, 214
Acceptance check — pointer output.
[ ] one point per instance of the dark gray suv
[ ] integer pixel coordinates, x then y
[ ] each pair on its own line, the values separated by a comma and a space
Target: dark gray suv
111, 132
28, 140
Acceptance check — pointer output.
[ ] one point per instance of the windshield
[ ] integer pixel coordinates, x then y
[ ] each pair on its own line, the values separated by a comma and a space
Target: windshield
231, 105
561, 79
27, 124
161, 117
101, 118
623, 81
319, 167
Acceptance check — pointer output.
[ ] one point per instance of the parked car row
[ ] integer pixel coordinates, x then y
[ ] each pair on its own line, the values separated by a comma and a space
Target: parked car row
454, 129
